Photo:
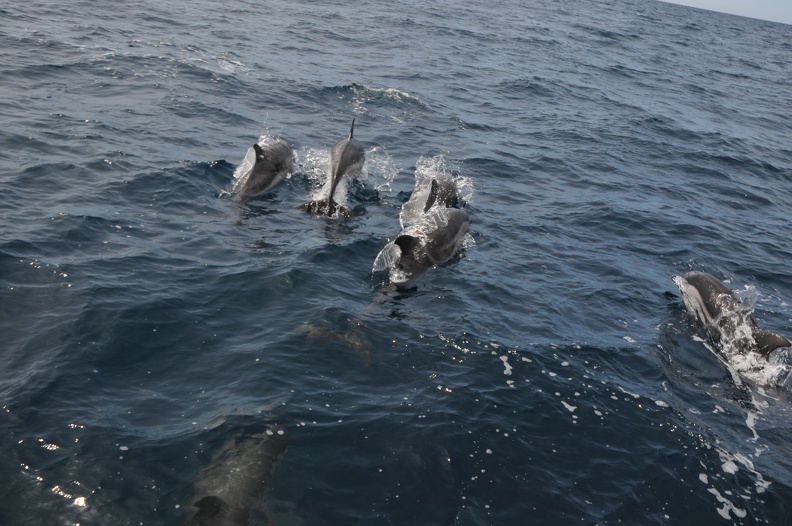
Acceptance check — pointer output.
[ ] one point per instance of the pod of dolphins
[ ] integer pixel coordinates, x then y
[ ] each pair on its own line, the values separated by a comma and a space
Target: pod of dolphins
432, 229
230, 488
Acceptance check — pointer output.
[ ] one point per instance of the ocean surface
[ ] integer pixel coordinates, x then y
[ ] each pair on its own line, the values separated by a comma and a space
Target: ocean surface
548, 374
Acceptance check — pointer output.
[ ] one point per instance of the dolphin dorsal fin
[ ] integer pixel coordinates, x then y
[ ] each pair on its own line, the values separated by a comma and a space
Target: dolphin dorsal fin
259, 150
767, 341
352, 129
209, 507
405, 242
432, 195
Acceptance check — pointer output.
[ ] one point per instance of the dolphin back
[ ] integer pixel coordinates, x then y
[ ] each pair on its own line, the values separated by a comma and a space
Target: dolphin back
270, 166
712, 292
432, 191
444, 242
231, 488
428, 243
723, 314
346, 159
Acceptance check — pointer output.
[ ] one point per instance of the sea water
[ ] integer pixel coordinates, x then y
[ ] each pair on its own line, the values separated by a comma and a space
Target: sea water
549, 374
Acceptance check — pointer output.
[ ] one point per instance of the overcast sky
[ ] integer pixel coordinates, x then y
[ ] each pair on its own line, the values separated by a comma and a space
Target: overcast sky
775, 10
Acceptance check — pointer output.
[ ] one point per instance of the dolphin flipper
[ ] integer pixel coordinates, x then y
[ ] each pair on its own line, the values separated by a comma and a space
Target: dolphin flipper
387, 258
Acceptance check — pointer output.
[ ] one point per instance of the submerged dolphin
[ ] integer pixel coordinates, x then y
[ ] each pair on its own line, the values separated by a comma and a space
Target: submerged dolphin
346, 158
437, 190
351, 338
230, 489
725, 317
431, 241
270, 166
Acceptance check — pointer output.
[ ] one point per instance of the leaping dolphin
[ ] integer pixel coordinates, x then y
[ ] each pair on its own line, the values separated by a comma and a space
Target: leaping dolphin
727, 320
346, 158
230, 489
431, 241
270, 166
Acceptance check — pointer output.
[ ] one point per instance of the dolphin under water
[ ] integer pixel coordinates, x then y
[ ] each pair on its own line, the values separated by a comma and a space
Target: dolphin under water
438, 190
270, 166
432, 240
727, 320
230, 489
346, 159
351, 338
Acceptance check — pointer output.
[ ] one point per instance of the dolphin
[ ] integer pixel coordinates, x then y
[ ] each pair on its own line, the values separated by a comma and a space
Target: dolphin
346, 159
429, 242
727, 320
270, 166
231, 488
437, 190
350, 338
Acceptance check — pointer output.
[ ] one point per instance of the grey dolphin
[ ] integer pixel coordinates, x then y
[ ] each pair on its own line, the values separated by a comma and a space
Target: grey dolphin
723, 314
351, 338
231, 487
270, 166
346, 159
429, 242
437, 190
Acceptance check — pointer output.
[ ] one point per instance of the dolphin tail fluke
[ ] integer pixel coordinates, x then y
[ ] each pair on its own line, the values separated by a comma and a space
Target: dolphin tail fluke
326, 207
352, 129
767, 341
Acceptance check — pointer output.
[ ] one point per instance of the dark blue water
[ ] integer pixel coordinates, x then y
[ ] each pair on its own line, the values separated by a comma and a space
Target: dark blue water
549, 375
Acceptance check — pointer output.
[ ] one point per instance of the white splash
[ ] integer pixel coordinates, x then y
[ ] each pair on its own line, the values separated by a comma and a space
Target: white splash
728, 506
439, 166
507, 368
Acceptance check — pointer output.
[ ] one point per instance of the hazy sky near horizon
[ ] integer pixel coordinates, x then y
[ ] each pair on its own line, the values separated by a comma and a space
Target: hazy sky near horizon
775, 10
